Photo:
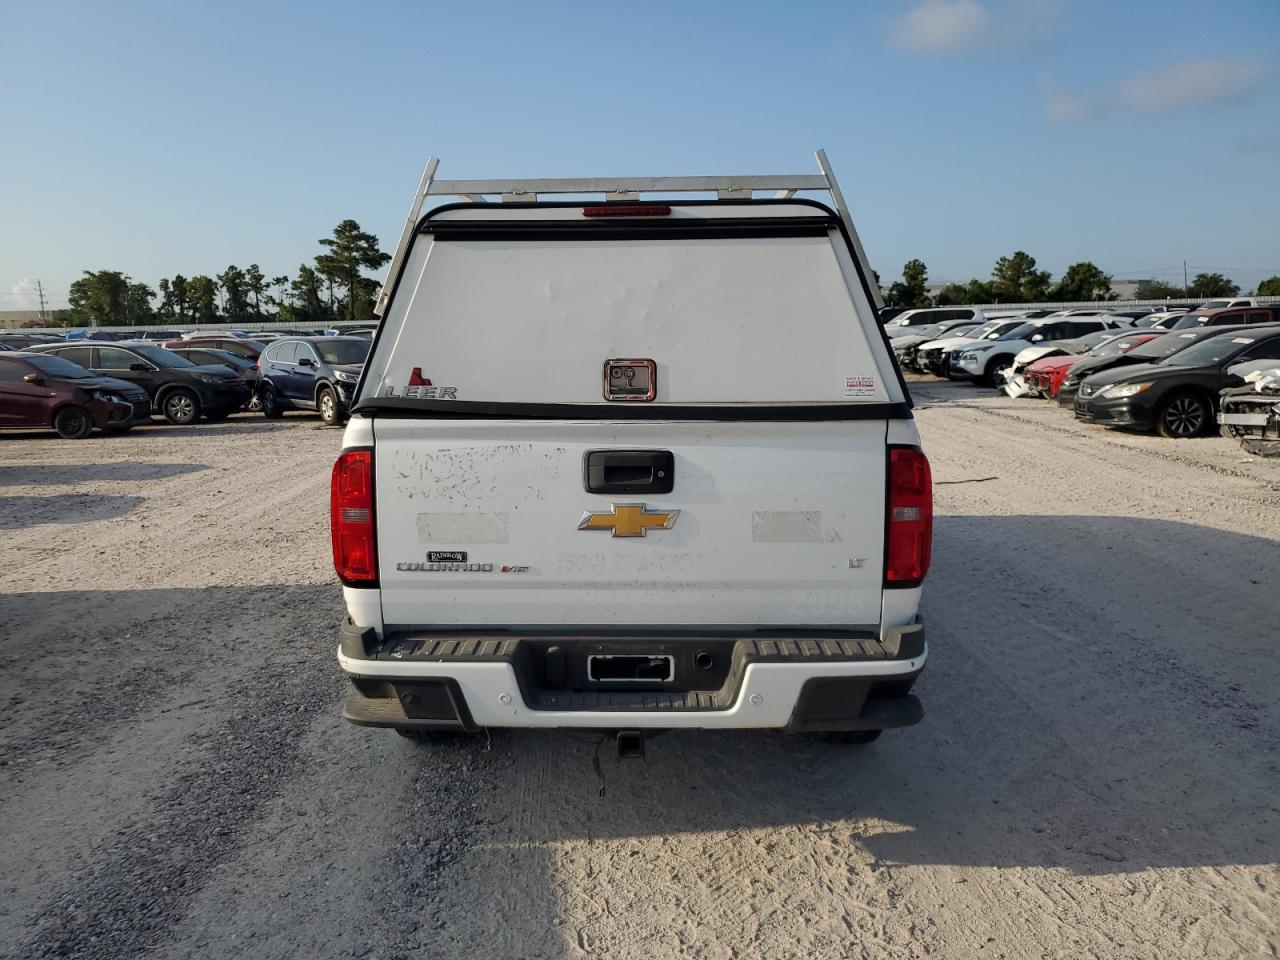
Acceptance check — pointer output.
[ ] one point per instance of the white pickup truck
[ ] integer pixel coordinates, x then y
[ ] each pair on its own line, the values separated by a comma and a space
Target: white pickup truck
631, 465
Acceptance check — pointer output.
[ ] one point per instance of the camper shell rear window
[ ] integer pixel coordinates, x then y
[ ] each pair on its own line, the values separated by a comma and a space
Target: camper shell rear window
746, 309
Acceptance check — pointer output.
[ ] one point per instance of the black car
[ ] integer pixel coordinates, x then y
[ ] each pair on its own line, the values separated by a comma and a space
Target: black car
240, 346
178, 388
248, 369
20, 341
311, 373
1150, 352
1178, 396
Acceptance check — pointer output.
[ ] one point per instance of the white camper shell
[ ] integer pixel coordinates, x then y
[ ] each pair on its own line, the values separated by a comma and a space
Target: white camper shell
631, 464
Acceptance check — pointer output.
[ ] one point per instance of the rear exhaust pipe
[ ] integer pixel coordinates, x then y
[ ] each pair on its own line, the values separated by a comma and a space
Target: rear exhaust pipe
630, 745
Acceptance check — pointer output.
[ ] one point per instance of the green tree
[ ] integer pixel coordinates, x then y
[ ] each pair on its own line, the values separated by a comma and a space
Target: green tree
1159, 290
1083, 281
1015, 279
1212, 285
165, 310
1269, 287
235, 304
280, 299
256, 286
305, 291
137, 304
202, 294
100, 298
351, 251
913, 290
951, 294
181, 297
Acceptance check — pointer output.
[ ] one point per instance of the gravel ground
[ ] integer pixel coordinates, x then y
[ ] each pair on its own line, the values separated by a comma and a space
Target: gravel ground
1097, 776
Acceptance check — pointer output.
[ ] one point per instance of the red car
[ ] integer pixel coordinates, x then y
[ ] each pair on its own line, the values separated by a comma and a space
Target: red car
1044, 377
40, 390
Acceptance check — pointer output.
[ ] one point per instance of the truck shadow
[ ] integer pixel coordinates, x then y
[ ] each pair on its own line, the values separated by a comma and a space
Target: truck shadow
33, 474
1110, 712
19, 512
1100, 701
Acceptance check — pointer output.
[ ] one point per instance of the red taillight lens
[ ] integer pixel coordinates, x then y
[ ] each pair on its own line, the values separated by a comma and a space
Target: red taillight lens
355, 551
909, 524
629, 210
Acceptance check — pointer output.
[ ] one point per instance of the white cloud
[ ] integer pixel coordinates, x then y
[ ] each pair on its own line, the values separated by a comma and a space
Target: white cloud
943, 25
1191, 85
1203, 83
1064, 107
25, 296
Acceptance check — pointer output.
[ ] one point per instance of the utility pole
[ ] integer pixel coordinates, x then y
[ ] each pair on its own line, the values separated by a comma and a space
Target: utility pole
44, 312
1184, 276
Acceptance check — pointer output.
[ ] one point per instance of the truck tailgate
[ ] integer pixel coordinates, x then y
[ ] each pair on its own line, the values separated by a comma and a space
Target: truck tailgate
780, 523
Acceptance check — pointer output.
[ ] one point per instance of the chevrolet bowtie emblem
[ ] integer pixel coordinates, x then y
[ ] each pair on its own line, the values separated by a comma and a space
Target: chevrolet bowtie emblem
629, 520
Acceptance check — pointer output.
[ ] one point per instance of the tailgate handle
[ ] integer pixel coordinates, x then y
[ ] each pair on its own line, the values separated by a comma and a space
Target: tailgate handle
628, 471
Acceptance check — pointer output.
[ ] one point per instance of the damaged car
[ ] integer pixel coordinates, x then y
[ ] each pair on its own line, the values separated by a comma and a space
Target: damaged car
1177, 396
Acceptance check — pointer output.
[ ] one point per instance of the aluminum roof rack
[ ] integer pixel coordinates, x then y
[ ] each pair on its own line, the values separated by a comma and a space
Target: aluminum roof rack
783, 186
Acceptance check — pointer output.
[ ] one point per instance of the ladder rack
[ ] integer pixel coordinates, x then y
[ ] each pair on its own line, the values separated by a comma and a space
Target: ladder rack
782, 186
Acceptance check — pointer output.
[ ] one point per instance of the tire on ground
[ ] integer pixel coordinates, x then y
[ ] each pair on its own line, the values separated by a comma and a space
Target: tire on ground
180, 406
73, 423
327, 404
271, 408
1185, 414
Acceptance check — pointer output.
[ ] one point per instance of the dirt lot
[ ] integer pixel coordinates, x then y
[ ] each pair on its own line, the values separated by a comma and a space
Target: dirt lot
1097, 776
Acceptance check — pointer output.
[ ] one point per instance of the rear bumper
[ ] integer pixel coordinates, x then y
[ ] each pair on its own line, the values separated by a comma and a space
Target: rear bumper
468, 683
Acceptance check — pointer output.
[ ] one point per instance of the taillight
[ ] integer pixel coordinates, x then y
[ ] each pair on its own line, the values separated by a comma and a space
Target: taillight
355, 552
909, 524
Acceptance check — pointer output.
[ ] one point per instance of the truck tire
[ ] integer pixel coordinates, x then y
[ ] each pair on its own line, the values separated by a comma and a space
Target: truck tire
180, 407
73, 423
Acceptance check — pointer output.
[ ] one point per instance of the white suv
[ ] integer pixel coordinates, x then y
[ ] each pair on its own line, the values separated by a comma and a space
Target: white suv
983, 360
628, 466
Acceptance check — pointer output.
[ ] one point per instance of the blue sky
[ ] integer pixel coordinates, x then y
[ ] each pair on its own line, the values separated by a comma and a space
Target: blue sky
165, 137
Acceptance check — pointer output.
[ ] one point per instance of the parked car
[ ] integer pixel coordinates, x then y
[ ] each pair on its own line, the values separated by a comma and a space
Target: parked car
981, 361
159, 336
924, 316
1177, 396
216, 334
1250, 413
178, 388
1161, 320
1157, 348
1227, 317
38, 391
935, 356
247, 369
240, 346
1044, 377
1135, 316
1230, 302
904, 347
20, 341
1015, 384
311, 373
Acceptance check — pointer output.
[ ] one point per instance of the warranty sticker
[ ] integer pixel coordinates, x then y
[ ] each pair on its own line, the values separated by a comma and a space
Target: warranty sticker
859, 388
